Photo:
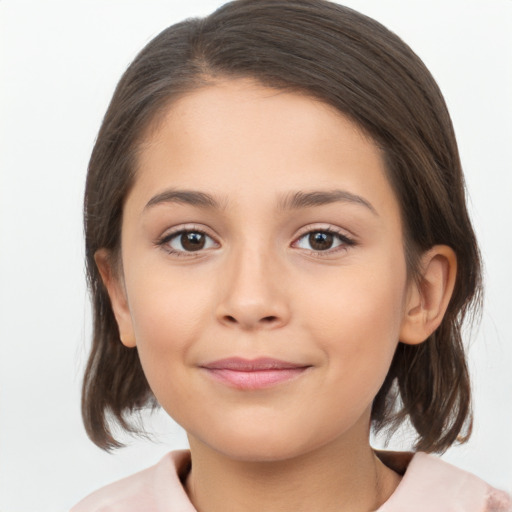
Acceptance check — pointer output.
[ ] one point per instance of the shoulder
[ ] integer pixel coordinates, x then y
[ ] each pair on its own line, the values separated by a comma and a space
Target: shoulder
157, 488
430, 483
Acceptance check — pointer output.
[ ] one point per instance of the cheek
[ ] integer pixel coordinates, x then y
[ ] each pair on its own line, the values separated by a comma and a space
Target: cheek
167, 316
356, 319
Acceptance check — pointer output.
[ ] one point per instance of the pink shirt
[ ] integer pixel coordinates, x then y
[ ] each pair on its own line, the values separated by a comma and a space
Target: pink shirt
428, 485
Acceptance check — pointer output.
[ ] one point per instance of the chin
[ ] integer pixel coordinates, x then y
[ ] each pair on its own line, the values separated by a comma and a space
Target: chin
263, 446
262, 453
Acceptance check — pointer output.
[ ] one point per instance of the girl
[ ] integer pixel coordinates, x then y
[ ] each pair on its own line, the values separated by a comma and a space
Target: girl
280, 256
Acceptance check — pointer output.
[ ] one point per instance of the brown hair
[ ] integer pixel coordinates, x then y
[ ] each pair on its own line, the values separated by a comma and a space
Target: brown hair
367, 73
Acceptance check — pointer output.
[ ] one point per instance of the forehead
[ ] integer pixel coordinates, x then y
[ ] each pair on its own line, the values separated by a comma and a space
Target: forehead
238, 139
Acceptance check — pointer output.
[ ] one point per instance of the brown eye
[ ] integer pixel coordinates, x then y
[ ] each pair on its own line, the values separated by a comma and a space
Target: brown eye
320, 240
192, 241
188, 241
323, 241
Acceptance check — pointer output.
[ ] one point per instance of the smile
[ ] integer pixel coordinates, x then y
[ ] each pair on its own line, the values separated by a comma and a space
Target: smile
254, 374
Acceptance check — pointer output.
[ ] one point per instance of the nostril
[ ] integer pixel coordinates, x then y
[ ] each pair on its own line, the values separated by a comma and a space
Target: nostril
265, 320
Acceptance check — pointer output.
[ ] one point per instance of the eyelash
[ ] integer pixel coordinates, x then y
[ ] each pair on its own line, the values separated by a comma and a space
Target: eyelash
166, 239
345, 241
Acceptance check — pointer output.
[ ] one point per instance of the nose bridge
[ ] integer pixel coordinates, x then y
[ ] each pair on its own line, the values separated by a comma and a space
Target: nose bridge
252, 271
253, 296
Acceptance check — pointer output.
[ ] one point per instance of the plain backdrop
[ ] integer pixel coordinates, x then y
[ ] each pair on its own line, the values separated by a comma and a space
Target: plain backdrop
59, 63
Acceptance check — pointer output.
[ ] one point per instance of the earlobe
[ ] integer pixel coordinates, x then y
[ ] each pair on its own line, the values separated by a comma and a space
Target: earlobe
429, 295
116, 291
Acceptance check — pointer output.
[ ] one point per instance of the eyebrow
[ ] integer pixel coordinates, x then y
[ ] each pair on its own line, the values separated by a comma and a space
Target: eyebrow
191, 197
300, 199
291, 201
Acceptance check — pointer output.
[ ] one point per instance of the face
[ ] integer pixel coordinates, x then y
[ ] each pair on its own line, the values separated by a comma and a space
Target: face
264, 280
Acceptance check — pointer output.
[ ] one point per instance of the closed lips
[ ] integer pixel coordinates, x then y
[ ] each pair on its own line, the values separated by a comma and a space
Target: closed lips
253, 374
254, 365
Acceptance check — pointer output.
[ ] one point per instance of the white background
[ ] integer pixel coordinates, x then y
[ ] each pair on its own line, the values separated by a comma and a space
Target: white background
59, 63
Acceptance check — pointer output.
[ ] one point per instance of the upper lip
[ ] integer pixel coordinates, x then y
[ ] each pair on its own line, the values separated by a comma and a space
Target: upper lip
251, 365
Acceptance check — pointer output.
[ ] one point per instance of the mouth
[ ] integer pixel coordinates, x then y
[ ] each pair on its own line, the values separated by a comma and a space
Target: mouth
253, 374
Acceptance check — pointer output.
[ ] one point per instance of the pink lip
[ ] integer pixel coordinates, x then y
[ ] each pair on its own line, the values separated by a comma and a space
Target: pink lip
253, 374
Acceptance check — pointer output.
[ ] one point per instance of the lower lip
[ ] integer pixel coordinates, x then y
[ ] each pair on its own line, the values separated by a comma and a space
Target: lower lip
255, 379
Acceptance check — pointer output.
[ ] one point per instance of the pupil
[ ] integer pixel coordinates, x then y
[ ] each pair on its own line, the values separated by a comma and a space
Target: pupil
192, 241
320, 241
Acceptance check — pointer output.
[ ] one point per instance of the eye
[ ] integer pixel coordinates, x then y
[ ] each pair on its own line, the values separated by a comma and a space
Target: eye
322, 240
186, 241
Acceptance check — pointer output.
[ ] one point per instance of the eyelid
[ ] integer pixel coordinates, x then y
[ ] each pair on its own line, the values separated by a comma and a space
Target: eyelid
347, 239
168, 235
181, 228
319, 226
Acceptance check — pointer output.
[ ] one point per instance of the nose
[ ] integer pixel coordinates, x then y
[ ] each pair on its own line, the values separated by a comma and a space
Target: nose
254, 294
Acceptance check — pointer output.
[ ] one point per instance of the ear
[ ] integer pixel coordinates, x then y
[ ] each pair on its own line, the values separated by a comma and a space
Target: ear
116, 290
429, 295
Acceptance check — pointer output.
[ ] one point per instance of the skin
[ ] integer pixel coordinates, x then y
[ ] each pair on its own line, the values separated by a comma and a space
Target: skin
258, 288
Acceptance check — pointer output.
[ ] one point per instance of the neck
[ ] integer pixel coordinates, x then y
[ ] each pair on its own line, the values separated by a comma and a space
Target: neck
333, 478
